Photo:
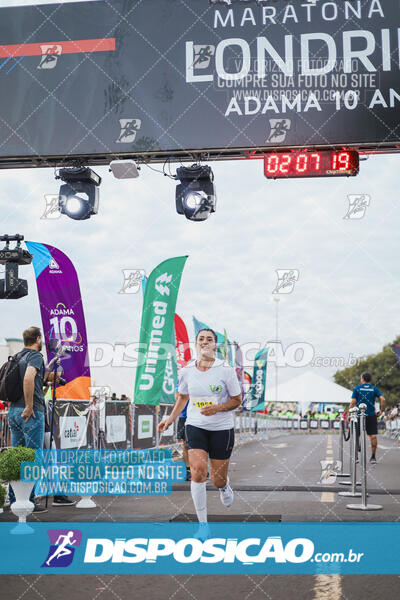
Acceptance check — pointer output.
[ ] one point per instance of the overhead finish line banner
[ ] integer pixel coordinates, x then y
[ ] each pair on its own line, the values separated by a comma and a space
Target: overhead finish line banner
156, 332
62, 316
171, 75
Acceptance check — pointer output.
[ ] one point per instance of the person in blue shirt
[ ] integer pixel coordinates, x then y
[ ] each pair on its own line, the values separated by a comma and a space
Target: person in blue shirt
367, 393
180, 434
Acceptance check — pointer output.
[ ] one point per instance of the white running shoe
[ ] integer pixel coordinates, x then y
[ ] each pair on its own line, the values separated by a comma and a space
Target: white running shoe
226, 495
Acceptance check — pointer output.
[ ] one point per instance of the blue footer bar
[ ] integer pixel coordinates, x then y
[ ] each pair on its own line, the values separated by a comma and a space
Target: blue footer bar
219, 548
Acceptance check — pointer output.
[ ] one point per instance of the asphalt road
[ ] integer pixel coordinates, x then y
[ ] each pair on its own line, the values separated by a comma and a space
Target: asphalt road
274, 479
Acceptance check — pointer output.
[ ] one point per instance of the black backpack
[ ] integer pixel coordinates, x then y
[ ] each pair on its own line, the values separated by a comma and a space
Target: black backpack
11, 387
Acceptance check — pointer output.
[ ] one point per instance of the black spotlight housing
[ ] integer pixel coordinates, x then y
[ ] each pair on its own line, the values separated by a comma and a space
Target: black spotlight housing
12, 287
79, 196
195, 195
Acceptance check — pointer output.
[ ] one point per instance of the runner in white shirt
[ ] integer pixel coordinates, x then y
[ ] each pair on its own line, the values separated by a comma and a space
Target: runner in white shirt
213, 392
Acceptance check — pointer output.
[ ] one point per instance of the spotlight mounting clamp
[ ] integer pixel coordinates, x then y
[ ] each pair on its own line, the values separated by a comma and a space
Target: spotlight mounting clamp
83, 174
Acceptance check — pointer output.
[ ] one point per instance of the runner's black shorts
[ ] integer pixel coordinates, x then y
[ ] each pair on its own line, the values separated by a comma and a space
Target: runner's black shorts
371, 425
218, 444
180, 430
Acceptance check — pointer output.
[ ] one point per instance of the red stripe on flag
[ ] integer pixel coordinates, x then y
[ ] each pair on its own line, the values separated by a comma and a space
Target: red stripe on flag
70, 47
182, 342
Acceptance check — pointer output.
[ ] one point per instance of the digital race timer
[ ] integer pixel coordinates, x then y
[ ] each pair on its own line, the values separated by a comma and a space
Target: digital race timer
308, 163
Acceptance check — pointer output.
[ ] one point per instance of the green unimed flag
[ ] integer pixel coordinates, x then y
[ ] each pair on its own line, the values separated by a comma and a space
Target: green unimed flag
156, 331
257, 399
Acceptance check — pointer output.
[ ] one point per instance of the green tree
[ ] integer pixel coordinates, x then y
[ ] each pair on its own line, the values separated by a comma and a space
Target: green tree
384, 369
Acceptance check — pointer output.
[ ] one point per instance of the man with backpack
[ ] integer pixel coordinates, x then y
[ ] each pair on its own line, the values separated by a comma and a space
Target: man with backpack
22, 387
22, 380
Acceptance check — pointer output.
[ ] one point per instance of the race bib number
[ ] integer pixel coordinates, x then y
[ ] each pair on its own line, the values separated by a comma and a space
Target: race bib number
201, 401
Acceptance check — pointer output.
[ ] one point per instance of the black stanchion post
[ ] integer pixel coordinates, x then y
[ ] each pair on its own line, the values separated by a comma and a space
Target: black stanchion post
341, 439
53, 405
353, 455
363, 505
100, 407
101, 442
157, 411
353, 447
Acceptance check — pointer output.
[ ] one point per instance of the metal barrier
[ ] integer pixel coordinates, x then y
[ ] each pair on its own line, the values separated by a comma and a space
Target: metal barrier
299, 424
251, 427
392, 427
119, 425
364, 505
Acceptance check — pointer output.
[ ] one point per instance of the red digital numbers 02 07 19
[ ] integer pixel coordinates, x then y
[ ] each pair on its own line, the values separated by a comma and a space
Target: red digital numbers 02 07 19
310, 164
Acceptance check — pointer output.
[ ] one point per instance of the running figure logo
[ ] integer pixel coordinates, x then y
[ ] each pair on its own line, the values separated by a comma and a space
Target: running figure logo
62, 547
357, 206
99, 391
132, 280
286, 281
329, 471
279, 130
52, 210
50, 54
129, 128
202, 56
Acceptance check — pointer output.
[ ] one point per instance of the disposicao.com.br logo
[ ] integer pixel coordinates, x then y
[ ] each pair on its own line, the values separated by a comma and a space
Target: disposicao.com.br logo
247, 551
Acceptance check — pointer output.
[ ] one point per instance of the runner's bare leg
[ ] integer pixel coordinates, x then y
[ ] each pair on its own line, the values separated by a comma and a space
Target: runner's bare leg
219, 472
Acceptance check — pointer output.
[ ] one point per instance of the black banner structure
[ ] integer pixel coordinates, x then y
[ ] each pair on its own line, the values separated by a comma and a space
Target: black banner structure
72, 428
144, 432
171, 78
118, 425
167, 437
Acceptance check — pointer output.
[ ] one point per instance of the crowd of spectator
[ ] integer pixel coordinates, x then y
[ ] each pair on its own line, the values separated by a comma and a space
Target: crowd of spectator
122, 398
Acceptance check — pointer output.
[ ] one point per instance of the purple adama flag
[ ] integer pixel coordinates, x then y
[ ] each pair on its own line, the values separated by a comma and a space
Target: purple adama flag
62, 316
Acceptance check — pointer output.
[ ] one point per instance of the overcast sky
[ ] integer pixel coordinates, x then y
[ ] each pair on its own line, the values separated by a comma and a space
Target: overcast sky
346, 298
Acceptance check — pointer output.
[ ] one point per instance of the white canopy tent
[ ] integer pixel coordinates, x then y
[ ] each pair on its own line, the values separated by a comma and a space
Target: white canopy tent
307, 389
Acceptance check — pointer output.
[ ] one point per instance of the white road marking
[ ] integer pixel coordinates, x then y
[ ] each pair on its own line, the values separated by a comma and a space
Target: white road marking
327, 587
283, 445
327, 497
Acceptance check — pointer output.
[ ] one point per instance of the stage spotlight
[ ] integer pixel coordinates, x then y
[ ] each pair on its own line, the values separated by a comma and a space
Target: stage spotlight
195, 195
11, 287
79, 196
